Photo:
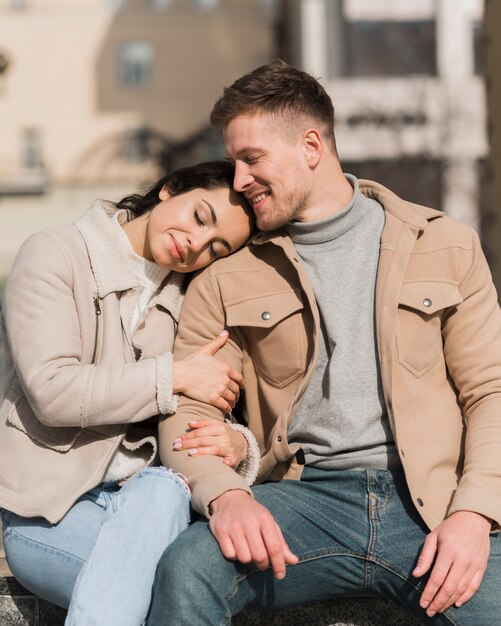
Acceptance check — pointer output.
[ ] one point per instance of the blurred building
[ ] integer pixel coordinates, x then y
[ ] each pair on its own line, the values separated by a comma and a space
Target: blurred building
97, 95
493, 74
406, 82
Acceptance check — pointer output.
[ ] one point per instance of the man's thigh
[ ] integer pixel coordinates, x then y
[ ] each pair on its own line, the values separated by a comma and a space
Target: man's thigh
398, 534
323, 521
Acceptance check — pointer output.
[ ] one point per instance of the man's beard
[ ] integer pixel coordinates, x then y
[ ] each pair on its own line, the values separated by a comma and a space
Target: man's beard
290, 210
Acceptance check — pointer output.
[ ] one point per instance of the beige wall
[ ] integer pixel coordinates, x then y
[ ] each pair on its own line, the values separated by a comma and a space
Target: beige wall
62, 78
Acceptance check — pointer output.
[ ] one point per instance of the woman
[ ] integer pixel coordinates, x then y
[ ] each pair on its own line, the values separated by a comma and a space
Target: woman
89, 315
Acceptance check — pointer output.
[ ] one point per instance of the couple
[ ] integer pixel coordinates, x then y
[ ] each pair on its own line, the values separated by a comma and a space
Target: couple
369, 335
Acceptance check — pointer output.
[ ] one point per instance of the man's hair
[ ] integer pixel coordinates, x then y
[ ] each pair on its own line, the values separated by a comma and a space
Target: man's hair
277, 89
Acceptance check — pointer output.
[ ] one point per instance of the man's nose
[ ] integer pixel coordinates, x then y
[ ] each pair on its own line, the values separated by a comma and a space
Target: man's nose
242, 178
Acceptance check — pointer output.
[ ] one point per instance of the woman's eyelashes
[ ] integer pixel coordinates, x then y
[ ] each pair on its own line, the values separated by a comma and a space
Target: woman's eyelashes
198, 219
200, 222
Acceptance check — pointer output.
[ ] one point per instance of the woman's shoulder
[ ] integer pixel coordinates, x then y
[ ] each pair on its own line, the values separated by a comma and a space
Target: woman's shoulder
49, 246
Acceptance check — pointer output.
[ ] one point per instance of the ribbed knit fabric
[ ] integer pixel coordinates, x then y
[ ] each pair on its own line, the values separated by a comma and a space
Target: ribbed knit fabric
341, 422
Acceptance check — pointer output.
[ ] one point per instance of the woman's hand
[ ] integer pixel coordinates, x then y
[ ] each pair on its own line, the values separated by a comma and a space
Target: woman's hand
209, 436
202, 377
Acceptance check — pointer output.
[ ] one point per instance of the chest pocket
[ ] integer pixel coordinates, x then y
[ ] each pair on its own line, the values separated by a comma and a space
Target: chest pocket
419, 323
274, 330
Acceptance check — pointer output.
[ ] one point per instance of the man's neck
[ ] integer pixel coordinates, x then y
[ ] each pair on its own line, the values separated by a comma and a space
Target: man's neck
331, 192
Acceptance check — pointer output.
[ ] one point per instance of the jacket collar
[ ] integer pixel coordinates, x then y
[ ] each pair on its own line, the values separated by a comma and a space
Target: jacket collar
408, 212
110, 267
412, 214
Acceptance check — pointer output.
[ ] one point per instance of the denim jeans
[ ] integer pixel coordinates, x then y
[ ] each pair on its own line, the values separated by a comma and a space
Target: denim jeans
356, 533
103, 554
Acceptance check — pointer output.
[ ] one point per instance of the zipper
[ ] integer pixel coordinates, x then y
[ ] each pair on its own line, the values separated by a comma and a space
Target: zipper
97, 308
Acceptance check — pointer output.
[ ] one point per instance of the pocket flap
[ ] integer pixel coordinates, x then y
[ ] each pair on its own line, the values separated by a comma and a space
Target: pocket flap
57, 438
429, 296
264, 311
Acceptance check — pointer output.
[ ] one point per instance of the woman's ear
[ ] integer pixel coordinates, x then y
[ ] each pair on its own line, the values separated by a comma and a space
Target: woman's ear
164, 193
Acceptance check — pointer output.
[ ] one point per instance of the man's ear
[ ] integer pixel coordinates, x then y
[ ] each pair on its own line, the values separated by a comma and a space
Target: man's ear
313, 146
164, 193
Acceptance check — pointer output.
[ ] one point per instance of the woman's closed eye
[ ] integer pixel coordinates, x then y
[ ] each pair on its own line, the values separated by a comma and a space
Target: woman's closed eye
198, 219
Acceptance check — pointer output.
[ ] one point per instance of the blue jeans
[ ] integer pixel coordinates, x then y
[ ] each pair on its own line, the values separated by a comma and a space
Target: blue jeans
103, 554
356, 533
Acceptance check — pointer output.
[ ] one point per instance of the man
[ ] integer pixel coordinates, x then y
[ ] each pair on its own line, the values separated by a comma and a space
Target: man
369, 335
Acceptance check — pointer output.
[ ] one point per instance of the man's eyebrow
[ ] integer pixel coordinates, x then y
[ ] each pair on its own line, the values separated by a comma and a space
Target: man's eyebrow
214, 221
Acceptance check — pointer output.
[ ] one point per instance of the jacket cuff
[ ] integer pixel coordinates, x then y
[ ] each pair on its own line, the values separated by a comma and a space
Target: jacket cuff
166, 400
249, 467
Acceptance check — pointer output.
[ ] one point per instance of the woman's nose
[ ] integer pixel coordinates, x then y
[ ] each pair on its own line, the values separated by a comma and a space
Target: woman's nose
197, 242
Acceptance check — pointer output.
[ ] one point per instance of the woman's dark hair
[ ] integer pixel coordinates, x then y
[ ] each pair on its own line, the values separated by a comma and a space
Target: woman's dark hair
211, 175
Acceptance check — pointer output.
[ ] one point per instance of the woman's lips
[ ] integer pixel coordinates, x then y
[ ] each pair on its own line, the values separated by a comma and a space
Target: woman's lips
176, 249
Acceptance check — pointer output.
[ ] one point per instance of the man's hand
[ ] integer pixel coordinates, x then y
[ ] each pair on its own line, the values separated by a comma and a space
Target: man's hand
247, 532
460, 547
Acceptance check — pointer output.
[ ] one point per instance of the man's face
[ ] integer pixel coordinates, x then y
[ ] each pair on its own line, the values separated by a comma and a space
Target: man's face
270, 167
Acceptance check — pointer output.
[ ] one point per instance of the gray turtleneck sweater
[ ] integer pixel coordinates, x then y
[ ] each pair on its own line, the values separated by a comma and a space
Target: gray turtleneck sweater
341, 422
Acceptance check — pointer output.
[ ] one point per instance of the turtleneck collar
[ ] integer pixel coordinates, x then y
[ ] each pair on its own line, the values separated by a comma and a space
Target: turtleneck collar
333, 226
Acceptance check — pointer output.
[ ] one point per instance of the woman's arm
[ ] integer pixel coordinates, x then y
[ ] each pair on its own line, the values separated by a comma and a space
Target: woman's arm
48, 333
233, 442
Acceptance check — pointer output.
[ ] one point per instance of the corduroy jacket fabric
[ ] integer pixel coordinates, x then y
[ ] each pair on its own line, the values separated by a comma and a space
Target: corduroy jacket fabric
438, 328
72, 380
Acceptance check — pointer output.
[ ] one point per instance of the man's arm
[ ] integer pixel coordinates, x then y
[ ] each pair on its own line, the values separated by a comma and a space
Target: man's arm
202, 317
457, 550
245, 530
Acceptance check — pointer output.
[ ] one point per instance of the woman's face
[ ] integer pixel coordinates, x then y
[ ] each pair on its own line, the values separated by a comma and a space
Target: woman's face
188, 231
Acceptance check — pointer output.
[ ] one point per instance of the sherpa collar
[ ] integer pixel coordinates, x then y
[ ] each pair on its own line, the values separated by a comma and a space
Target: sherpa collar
109, 261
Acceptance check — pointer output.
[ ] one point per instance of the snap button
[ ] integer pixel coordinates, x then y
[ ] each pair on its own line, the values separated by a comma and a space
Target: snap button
420, 502
427, 302
265, 315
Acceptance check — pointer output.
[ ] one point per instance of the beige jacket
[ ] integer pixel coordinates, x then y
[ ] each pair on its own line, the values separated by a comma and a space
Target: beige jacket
72, 379
439, 341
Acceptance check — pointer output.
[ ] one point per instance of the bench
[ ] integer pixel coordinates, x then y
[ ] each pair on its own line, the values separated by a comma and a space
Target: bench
19, 607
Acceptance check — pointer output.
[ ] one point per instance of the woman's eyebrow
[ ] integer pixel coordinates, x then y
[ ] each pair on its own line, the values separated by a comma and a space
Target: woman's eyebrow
214, 221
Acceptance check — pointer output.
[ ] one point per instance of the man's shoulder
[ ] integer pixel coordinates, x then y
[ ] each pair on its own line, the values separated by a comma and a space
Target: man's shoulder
258, 255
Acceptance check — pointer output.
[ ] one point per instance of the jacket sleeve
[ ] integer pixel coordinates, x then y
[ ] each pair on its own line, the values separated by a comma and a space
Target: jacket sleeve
202, 318
44, 334
472, 349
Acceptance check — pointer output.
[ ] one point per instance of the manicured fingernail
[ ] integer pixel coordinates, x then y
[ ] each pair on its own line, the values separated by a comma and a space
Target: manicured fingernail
193, 451
431, 613
281, 575
223, 333
424, 604
178, 444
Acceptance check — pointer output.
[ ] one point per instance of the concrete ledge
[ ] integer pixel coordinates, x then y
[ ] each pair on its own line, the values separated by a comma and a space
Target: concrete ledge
19, 607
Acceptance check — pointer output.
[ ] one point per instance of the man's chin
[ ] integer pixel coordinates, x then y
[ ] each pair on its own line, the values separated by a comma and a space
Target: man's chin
265, 224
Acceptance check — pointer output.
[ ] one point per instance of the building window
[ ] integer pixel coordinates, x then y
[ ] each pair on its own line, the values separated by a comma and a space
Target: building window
391, 48
135, 63
205, 4
31, 149
416, 179
116, 4
158, 5
479, 45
